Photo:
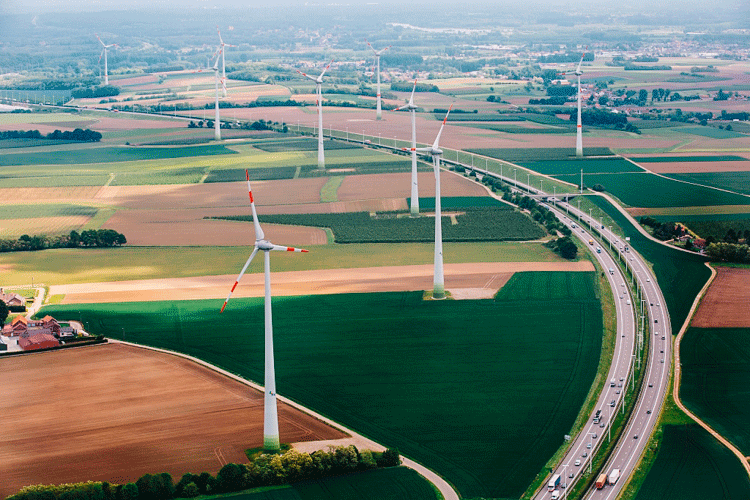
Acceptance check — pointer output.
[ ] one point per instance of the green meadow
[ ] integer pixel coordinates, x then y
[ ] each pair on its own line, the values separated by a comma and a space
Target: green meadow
692, 465
481, 391
716, 378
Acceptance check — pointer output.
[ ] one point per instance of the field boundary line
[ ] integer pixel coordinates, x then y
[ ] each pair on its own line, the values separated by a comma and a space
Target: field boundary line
663, 176
678, 377
441, 484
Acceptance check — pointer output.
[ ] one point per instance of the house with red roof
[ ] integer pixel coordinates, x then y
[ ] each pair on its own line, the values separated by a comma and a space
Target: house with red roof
38, 341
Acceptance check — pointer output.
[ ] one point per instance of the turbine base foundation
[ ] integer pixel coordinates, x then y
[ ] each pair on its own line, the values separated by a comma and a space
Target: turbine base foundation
271, 443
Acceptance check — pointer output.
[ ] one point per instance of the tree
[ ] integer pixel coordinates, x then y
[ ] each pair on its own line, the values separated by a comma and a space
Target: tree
567, 248
129, 492
3, 312
231, 477
642, 95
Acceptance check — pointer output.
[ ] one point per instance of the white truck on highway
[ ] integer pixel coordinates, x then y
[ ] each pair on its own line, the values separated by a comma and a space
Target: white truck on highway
613, 476
554, 482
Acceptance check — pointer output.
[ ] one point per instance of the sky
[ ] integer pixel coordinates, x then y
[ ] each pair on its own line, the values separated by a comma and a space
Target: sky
42, 6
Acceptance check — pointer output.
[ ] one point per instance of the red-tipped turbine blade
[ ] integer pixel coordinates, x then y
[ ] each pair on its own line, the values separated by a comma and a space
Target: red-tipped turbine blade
326, 69
236, 282
437, 139
258, 231
279, 248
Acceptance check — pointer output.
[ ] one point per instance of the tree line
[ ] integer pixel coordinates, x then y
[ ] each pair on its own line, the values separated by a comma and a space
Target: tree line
102, 91
262, 470
78, 134
92, 238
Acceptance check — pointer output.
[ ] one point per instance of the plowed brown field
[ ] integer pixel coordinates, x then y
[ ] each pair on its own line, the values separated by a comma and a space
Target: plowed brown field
485, 275
115, 412
725, 303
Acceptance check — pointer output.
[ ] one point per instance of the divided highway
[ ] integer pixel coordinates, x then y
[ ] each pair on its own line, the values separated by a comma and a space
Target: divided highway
620, 383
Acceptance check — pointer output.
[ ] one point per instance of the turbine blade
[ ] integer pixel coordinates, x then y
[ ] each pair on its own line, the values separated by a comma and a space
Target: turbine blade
386, 49
578, 69
326, 69
279, 248
219, 32
100, 40
306, 76
400, 107
259, 235
101, 55
411, 99
371, 47
437, 139
236, 282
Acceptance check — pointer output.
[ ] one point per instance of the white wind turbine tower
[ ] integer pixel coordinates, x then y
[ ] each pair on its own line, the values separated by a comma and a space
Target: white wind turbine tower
223, 63
414, 186
319, 101
579, 137
104, 53
217, 122
438, 289
378, 114
271, 441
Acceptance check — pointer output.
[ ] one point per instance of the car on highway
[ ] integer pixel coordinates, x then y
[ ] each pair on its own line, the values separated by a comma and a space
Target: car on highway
578, 463
612, 403
588, 446
572, 475
648, 412
650, 384
635, 436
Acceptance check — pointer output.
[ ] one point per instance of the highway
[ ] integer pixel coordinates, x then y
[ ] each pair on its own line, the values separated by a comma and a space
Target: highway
620, 382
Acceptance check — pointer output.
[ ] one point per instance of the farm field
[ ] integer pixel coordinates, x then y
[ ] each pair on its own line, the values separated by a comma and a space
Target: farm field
681, 275
85, 265
396, 483
654, 191
498, 223
475, 280
725, 302
477, 439
715, 377
732, 181
692, 465
133, 412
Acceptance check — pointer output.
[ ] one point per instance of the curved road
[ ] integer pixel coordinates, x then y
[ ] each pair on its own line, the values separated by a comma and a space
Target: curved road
619, 384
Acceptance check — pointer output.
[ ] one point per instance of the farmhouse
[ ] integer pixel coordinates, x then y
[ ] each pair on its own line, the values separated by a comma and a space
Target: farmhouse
38, 341
23, 327
12, 299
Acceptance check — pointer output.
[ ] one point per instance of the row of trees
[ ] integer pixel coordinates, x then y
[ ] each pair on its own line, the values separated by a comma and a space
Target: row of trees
263, 470
729, 252
102, 91
101, 238
78, 134
663, 231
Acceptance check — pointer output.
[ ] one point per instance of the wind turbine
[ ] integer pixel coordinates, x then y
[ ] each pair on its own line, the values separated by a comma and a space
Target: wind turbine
378, 114
579, 137
414, 187
104, 53
271, 441
438, 289
319, 101
217, 122
223, 64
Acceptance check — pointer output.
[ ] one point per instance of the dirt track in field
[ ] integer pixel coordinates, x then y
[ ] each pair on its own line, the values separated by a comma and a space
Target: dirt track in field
486, 275
115, 412
725, 303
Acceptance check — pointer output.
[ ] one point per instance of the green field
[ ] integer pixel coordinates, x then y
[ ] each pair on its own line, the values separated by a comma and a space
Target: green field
538, 154
680, 275
491, 223
711, 132
650, 191
397, 483
692, 465
45, 210
83, 265
302, 144
574, 166
738, 182
716, 380
455, 385
110, 155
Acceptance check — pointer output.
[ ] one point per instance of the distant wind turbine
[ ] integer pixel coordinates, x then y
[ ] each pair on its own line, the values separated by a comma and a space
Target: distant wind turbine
217, 79
438, 290
579, 136
319, 101
223, 63
271, 441
378, 114
104, 53
414, 186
